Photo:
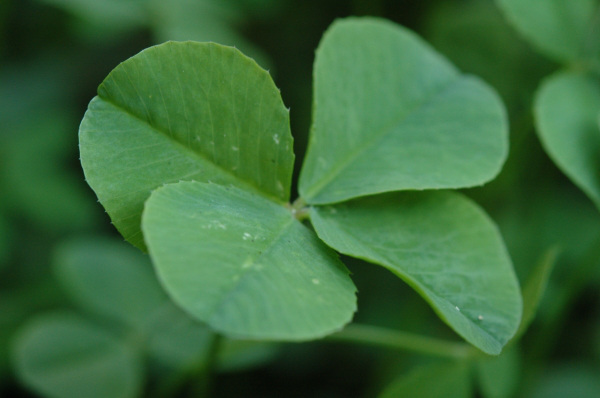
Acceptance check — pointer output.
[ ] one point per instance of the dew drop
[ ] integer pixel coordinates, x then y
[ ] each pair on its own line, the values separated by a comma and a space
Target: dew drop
316, 281
276, 138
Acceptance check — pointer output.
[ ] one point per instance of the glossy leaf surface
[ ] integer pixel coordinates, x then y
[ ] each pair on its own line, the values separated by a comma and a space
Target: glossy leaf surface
442, 245
63, 355
559, 28
183, 111
244, 265
566, 109
387, 105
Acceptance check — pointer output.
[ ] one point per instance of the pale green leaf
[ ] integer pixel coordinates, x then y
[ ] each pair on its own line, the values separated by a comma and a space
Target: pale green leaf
110, 278
559, 28
391, 114
244, 265
566, 110
62, 355
498, 377
432, 381
183, 111
442, 245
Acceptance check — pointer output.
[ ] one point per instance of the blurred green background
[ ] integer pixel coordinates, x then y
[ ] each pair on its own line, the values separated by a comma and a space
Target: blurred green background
53, 55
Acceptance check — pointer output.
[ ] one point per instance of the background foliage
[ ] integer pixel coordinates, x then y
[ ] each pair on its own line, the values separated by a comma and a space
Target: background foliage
55, 52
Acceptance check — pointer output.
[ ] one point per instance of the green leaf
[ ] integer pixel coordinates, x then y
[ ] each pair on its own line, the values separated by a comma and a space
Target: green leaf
433, 381
240, 355
496, 53
39, 182
534, 289
113, 279
19, 302
203, 20
498, 377
566, 110
110, 278
180, 342
177, 340
62, 355
568, 380
183, 111
244, 265
558, 28
387, 105
442, 245
122, 14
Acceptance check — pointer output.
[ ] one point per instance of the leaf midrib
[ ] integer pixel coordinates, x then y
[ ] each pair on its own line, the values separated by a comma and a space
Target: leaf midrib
194, 154
382, 133
411, 281
230, 294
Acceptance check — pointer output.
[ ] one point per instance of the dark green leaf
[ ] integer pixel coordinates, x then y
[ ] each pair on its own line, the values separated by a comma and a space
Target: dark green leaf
122, 14
558, 28
183, 111
566, 109
442, 245
38, 181
499, 376
239, 355
61, 355
244, 265
203, 20
176, 340
110, 278
433, 381
568, 380
392, 114
534, 289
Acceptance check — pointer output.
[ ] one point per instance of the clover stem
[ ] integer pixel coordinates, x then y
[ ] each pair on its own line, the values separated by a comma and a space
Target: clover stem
299, 209
393, 339
203, 387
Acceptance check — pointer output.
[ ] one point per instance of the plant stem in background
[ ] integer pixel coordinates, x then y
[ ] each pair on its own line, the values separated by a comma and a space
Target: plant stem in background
201, 387
393, 339
198, 376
